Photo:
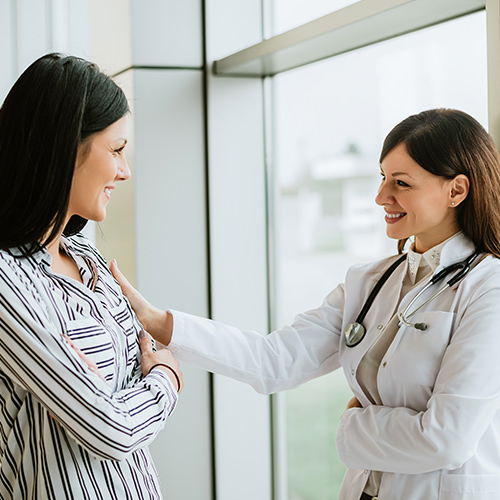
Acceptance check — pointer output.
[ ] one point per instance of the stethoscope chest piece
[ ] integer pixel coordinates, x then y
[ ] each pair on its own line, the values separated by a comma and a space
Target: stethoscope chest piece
354, 334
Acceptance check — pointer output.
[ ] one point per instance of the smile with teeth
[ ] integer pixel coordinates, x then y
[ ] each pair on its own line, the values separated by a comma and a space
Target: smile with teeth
393, 216
107, 192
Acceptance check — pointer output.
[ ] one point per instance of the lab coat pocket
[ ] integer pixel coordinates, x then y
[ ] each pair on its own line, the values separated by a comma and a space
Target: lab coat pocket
469, 487
417, 354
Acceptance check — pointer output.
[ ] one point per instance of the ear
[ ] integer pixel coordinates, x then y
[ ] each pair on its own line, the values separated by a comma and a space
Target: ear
459, 189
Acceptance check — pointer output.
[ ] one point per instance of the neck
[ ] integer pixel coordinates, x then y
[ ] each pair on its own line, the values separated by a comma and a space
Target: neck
421, 247
54, 246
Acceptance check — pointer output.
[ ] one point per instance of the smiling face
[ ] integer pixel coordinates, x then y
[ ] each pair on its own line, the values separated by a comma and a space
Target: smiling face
418, 203
99, 165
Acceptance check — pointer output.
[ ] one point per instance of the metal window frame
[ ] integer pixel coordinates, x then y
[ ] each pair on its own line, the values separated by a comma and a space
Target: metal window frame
358, 25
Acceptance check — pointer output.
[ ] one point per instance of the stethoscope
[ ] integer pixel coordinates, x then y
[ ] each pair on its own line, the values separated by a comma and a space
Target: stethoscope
355, 332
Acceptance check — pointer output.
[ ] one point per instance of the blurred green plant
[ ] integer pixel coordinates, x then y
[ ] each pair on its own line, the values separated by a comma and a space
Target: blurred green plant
313, 412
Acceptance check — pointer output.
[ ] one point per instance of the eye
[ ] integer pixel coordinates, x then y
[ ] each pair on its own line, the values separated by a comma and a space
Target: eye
382, 175
118, 151
402, 184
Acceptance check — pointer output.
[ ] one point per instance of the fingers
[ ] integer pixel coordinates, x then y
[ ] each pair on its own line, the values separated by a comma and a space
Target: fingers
353, 403
120, 277
145, 343
142, 308
92, 366
162, 359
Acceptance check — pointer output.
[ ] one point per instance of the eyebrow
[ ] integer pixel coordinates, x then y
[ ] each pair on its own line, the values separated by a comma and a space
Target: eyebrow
397, 174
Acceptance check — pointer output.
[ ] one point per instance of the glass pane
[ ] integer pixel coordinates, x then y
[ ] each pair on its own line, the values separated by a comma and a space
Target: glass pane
288, 14
330, 120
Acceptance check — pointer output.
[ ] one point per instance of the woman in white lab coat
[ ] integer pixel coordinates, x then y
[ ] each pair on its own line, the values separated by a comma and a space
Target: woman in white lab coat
425, 420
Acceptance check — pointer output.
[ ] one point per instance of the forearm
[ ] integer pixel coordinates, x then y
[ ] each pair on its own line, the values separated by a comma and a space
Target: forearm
109, 425
159, 324
269, 363
401, 440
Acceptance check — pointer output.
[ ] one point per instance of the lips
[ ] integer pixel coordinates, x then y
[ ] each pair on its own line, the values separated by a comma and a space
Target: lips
393, 217
107, 192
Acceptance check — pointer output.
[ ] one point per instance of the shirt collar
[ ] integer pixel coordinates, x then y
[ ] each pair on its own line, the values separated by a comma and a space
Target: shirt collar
41, 254
434, 256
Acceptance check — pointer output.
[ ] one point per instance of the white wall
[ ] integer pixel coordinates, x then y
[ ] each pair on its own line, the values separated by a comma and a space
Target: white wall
157, 226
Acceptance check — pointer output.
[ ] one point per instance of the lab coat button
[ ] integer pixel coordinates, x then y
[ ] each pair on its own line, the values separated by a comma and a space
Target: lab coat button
352, 372
380, 327
365, 472
384, 364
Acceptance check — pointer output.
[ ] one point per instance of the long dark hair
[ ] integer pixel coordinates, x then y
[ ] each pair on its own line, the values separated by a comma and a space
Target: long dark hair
57, 103
446, 143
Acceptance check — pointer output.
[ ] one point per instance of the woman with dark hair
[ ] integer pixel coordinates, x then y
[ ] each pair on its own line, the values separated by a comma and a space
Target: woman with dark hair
82, 391
416, 334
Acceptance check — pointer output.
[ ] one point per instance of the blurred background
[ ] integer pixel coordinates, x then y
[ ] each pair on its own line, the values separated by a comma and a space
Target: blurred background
253, 189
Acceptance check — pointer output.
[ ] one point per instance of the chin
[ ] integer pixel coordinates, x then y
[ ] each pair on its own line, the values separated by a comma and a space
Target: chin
397, 235
96, 217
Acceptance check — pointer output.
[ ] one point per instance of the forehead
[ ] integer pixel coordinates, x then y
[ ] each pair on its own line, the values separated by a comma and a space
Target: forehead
116, 131
399, 162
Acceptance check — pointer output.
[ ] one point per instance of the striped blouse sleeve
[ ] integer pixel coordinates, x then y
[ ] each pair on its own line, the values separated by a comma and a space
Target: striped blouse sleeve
109, 425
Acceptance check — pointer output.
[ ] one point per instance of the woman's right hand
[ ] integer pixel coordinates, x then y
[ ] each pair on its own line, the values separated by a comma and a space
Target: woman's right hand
158, 323
150, 358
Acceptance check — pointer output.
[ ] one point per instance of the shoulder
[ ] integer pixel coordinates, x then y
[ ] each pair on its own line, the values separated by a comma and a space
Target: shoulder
19, 279
371, 269
487, 271
14, 266
481, 284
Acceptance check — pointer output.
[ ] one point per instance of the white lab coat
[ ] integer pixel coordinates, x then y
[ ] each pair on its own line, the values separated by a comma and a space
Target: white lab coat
437, 435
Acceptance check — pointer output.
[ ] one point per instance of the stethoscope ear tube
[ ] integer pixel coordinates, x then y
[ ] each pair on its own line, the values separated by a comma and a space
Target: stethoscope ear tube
464, 267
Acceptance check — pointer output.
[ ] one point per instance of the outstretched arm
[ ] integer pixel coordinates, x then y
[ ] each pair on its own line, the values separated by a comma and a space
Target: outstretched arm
281, 360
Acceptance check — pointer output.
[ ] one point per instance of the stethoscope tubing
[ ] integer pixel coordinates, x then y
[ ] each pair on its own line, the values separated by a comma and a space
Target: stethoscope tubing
464, 267
355, 332
377, 287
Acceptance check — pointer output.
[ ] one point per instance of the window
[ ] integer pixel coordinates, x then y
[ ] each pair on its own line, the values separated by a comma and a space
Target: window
329, 121
288, 14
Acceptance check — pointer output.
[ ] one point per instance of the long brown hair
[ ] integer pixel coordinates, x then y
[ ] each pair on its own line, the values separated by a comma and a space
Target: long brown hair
446, 143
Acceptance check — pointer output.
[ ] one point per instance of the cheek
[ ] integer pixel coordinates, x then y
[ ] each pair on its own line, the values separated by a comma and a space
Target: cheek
112, 168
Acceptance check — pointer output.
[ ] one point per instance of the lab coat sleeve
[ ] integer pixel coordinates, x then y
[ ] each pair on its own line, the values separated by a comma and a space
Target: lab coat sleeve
464, 402
269, 363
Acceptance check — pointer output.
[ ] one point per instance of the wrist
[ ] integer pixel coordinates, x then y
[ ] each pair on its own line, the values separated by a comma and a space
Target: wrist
159, 325
171, 373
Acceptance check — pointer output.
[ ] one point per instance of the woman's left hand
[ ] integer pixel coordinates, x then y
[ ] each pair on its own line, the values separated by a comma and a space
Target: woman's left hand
354, 403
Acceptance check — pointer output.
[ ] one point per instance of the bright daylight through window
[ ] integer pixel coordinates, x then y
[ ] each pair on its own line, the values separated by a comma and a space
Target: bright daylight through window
329, 121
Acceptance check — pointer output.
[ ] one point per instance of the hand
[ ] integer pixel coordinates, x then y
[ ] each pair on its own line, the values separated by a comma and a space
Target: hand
92, 366
354, 403
149, 358
158, 323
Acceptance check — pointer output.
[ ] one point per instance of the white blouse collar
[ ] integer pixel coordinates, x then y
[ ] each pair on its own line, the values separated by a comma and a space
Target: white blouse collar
431, 258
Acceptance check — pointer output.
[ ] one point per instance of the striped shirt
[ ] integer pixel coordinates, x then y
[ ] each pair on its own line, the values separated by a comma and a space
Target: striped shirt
64, 431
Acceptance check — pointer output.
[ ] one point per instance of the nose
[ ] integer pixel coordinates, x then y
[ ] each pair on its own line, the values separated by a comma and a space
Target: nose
123, 171
384, 195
